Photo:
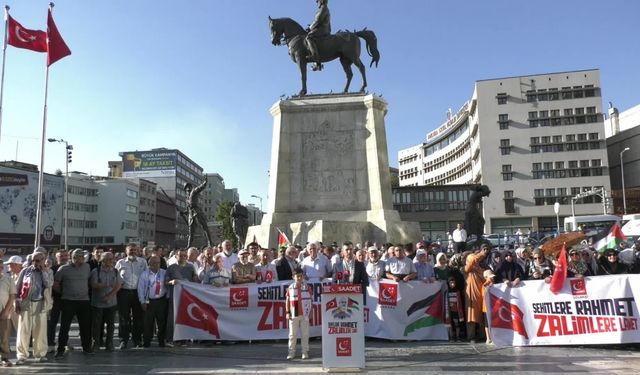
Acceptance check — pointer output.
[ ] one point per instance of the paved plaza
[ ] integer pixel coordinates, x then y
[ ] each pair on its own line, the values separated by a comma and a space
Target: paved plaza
382, 356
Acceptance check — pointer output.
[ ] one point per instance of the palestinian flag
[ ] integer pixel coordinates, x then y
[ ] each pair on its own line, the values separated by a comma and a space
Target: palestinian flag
353, 304
283, 241
612, 240
434, 313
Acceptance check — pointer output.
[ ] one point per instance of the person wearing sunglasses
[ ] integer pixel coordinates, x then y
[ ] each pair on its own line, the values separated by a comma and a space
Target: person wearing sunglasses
541, 267
611, 265
577, 266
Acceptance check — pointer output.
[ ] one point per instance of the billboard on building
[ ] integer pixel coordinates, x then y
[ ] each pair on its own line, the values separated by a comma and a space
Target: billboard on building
141, 164
18, 204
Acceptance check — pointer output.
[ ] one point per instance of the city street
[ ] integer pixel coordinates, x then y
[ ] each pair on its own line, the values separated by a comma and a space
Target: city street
382, 356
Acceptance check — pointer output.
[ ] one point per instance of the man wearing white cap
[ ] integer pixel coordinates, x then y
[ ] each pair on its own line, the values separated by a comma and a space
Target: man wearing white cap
7, 298
15, 266
243, 271
33, 284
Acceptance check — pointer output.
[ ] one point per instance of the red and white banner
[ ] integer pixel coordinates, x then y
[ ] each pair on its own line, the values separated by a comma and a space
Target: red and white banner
342, 327
397, 311
593, 310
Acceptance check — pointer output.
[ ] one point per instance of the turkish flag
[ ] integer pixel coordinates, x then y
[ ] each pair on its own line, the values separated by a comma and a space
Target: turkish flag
331, 305
560, 273
194, 313
507, 316
18, 36
58, 49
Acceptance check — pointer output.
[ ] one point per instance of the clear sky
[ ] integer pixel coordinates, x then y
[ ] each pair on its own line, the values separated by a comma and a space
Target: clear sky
201, 75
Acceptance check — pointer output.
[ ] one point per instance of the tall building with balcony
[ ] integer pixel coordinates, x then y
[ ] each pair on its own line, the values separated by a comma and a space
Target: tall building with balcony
109, 211
534, 140
147, 211
170, 170
212, 196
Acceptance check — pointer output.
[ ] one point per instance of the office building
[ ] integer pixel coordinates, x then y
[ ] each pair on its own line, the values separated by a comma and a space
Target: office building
18, 205
534, 140
170, 170
623, 146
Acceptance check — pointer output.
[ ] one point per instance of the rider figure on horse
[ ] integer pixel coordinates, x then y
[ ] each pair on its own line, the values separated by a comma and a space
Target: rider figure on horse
320, 28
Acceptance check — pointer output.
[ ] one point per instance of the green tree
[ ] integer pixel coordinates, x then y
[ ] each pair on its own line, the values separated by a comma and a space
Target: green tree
223, 215
395, 181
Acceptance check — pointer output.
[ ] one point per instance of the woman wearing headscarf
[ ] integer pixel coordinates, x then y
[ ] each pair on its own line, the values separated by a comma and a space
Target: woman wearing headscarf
577, 267
473, 292
509, 270
611, 265
541, 267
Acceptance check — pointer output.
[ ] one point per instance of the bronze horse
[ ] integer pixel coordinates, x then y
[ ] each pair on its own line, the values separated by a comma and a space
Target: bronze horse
343, 45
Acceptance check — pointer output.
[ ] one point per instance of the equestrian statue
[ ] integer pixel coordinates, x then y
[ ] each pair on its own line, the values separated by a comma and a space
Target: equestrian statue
317, 45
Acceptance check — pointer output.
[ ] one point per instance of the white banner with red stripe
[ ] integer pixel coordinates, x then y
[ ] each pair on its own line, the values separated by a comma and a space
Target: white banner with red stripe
593, 310
398, 311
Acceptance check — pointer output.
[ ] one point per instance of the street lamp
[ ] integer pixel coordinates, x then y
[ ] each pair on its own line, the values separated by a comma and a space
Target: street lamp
255, 196
624, 197
556, 209
68, 149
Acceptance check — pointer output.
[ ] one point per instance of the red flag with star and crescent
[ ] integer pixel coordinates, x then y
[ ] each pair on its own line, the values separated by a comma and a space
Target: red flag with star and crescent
506, 315
21, 37
57, 48
560, 273
194, 313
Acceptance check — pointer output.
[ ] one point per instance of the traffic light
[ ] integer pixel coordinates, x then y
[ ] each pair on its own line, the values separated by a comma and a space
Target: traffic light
69, 148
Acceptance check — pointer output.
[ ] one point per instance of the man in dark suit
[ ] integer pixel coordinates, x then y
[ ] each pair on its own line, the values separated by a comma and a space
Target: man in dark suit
287, 263
349, 271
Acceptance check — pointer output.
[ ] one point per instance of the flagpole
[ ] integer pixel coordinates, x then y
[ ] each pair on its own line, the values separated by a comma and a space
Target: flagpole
42, 144
4, 59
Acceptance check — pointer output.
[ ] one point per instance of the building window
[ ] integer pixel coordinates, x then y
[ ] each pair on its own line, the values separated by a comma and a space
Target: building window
589, 91
553, 94
507, 174
502, 98
132, 193
531, 96
542, 95
578, 92
503, 121
509, 202
505, 146
538, 197
131, 209
535, 145
536, 171
566, 93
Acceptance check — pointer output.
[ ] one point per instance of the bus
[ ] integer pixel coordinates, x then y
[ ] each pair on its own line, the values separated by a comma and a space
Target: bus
590, 225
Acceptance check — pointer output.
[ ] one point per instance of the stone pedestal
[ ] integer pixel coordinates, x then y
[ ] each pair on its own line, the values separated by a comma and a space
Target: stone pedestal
330, 173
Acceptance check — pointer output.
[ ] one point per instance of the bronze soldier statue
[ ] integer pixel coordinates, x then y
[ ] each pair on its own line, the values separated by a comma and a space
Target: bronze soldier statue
240, 217
320, 28
194, 214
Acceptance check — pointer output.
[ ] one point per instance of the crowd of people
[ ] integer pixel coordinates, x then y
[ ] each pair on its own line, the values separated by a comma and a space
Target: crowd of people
136, 286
